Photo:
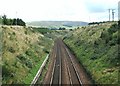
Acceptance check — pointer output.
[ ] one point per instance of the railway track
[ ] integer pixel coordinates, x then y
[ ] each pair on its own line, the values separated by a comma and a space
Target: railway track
64, 68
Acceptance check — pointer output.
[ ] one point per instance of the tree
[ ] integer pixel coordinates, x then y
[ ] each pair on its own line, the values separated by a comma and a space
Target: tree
18, 22
0, 20
7, 21
61, 28
4, 18
119, 23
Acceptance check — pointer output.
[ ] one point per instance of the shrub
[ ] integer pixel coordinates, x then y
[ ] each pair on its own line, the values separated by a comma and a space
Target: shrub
119, 23
13, 33
28, 52
45, 50
25, 60
118, 35
77, 43
11, 49
93, 58
113, 29
12, 37
106, 36
26, 32
71, 30
112, 43
29, 64
114, 39
22, 57
5, 71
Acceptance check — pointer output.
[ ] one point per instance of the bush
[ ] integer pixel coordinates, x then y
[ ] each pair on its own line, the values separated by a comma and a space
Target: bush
26, 32
25, 60
113, 29
29, 64
77, 43
11, 49
5, 71
119, 23
114, 39
21, 57
13, 33
106, 36
112, 43
12, 37
29, 52
45, 50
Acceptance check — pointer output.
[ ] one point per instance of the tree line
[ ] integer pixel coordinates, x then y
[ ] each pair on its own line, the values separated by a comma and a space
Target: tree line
8, 21
93, 23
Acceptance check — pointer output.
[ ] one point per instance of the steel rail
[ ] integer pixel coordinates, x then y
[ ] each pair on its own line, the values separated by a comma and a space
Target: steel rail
74, 67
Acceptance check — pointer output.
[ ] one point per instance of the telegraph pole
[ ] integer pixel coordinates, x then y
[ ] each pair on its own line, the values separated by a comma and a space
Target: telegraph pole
109, 10
16, 18
118, 10
109, 13
113, 14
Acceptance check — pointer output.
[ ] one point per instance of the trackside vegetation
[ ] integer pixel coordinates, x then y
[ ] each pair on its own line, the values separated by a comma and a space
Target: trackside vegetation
96, 47
23, 51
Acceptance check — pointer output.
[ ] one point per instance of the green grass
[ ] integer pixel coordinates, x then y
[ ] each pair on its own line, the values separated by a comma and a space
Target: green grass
33, 71
40, 80
96, 47
42, 30
23, 53
0, 40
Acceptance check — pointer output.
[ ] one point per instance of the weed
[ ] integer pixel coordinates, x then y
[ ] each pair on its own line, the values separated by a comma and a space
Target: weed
98, 54
11, 49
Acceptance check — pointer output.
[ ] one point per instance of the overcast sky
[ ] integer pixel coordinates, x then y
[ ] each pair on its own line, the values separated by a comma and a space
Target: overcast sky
71, 10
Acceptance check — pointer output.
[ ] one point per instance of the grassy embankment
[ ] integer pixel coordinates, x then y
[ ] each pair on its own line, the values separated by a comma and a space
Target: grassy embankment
51, 34
23, 51
96, 47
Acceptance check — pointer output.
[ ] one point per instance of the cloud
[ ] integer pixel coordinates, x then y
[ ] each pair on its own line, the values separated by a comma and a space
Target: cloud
31, 10
95, 8
98, 6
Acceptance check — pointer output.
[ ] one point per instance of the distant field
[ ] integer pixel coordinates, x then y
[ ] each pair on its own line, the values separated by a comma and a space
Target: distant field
57, 24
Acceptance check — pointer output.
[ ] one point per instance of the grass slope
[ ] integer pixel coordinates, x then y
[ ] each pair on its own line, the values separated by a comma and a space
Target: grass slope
23, 52
96, 47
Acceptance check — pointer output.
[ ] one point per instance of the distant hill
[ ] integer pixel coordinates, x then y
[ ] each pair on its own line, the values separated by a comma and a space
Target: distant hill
57, 23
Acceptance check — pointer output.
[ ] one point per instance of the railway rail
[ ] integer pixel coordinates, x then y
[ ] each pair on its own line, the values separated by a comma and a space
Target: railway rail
64, 68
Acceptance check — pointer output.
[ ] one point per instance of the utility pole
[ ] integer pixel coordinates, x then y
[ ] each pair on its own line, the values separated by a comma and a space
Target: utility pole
118, 10
16, 18
113, 14
109, 10
109, 13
